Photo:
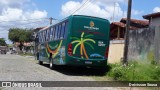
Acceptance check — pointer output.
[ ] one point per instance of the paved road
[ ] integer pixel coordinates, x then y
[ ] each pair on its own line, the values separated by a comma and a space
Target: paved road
20, 68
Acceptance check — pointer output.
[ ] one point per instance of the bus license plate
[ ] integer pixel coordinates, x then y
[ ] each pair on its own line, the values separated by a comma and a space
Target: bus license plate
88, 62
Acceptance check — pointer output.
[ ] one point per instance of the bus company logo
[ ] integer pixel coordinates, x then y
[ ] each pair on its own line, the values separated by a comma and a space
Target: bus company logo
91, 24
6, 84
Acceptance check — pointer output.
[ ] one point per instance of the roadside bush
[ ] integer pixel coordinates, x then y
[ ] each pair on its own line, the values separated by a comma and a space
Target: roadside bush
27, 54
135, 71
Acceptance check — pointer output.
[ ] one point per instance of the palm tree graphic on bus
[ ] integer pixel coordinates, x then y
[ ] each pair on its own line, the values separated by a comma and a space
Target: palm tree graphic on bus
80, 42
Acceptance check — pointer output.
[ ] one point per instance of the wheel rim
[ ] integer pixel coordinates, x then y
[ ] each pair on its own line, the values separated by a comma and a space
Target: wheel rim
50, 64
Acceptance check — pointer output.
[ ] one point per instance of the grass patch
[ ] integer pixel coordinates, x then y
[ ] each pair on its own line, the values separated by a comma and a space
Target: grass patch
135, 71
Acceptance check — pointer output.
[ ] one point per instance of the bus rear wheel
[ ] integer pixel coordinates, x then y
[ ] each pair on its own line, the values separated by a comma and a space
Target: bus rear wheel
40, 62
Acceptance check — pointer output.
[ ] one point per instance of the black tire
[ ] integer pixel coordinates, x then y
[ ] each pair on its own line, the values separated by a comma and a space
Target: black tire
51, 65
37, 56
40, 62
106, 68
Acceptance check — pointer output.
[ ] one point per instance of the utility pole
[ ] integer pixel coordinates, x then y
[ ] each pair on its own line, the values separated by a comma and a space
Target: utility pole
50, 20
125, 55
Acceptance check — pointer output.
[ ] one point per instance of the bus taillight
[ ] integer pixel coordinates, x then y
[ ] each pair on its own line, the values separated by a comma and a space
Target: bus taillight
70, 49
106, 53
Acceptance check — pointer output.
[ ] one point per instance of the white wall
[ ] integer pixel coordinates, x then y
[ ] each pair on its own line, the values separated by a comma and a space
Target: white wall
155, 22
115, 52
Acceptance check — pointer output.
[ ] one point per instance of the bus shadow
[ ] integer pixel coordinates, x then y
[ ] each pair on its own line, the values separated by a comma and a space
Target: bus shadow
79, 71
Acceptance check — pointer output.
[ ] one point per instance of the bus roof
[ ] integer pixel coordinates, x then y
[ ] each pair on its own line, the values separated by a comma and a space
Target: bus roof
71, 16
88, 16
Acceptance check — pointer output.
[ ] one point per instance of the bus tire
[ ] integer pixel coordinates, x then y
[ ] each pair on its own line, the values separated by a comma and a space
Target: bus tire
40, 62
51, 65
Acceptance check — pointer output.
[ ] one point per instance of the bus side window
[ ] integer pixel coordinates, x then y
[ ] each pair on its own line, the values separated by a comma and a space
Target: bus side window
56, 33
51, 33
48, 34
44, 35
40, 38
59, 31
66, 29
38, 34
62, 30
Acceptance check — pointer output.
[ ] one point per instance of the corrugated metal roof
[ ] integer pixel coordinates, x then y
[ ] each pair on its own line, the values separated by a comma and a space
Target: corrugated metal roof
153, 15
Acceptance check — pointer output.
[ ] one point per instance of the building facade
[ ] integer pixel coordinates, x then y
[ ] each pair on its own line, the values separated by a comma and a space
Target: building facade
154, 20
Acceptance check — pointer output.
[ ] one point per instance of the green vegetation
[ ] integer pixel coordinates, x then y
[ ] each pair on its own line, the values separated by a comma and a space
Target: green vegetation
150, 57
20, 35
2, 42
26, 54
135, 71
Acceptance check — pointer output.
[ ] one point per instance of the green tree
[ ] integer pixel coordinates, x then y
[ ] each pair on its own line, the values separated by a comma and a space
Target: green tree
2, 42
20, 35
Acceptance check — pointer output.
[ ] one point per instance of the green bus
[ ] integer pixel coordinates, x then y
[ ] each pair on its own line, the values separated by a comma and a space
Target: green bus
77, 40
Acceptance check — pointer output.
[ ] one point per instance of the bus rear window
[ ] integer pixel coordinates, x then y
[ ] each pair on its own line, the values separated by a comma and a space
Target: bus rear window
91, 27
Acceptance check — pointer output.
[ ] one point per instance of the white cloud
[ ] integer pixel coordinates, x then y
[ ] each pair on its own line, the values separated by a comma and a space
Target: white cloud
13, 10
99, 8
4, 4
109, 2
156, 9
36, 14
136, 12
69, 7
10, 14
13, 3
14, 14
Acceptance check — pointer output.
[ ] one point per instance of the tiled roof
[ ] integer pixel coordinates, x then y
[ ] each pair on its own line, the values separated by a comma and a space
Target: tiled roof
153, 15
142, 22
118, 24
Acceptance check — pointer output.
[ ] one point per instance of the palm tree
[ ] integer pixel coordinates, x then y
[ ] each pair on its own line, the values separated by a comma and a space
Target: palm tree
80, 42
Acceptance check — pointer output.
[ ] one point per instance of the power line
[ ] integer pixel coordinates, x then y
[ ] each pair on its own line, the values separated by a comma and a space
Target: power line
87, 5
24, 20
23, 25
80, 7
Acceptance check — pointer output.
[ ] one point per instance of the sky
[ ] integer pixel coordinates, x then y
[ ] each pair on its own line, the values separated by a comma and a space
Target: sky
35, 13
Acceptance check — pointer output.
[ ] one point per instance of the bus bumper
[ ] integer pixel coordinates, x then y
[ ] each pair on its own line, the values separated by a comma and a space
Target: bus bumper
87, 63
